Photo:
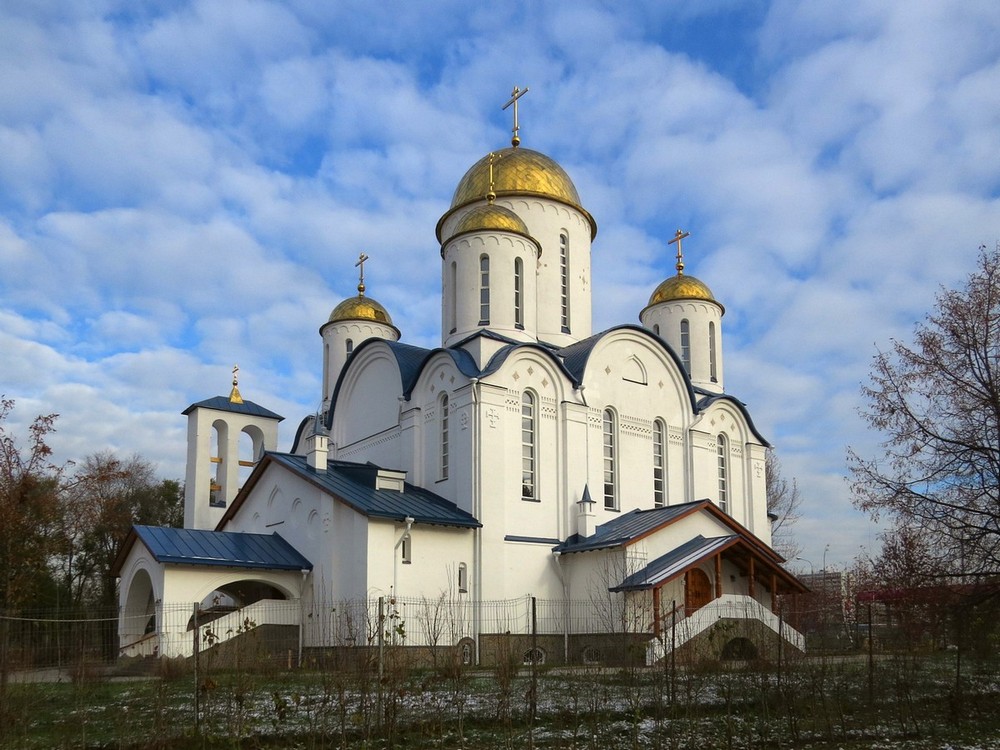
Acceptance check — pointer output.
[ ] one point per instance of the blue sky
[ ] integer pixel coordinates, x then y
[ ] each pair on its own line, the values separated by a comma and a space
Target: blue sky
186, 185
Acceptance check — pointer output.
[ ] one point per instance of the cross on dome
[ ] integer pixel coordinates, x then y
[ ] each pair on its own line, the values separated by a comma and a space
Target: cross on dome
234, 395
516, 94
361, 280
678, 236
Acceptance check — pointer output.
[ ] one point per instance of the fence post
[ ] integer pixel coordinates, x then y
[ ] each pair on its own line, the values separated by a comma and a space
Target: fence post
533, 702
381, 657
673, 651
196, 632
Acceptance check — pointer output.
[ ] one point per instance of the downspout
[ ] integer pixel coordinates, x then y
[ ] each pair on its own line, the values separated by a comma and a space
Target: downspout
395, 559
477, 512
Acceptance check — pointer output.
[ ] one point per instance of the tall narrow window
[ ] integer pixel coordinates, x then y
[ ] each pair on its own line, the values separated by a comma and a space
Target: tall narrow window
444, 437
406, 550
712, 366
659, 463
610, 462
484, 290
723, 449
463, 578
453, 299
564, 281
518, 293
349, 346
528, 434
686, 345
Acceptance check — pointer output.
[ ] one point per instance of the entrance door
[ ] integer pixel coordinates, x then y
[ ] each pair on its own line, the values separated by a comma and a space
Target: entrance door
697, 590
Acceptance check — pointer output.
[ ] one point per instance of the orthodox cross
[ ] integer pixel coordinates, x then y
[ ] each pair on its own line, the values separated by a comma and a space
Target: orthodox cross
678, 236
361, 281
516, 94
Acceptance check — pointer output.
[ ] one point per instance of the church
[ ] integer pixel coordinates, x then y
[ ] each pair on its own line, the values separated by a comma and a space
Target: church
607, 478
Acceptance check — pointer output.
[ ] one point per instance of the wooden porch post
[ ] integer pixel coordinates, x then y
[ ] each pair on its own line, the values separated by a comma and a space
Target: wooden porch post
753, 578
774, 592
718, 575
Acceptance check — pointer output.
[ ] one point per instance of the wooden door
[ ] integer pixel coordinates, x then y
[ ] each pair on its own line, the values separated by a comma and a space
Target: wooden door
697, 590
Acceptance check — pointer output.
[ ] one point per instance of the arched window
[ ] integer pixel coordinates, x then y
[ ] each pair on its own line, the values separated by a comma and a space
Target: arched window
350, 346
453, 298
528, 435
518, 293
656, 328
443, 422
686, 345
712, 366
723, 450
463, 578
659, 464
564, 281
610, 462
219, 438
484, 290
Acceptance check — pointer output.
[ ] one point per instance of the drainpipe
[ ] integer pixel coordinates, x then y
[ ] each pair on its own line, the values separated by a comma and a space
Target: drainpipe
302, 612
477, 512
395, 559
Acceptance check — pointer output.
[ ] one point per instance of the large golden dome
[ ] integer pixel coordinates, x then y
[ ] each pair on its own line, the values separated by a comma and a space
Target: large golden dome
682, 287
516, 171
360, 308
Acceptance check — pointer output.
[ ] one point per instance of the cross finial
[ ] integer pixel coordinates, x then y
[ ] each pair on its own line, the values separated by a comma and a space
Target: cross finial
516, 94
491, 194
361, 280
234, 395
678, 236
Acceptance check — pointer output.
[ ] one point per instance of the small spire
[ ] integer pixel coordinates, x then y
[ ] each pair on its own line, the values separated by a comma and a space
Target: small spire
361, 281
678, 236
234, 395
516, 94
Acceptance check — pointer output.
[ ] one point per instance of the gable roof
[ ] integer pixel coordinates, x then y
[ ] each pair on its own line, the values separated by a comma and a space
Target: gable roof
354, 485
630, 527
674, 563
217, 548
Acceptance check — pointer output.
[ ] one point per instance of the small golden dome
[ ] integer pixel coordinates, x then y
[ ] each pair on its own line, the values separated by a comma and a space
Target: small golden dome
681, 287
360, 308
490, 217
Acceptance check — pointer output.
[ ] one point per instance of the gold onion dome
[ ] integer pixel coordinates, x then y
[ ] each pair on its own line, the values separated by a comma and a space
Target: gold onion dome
681, 287
516, 171
491, 217
360, 308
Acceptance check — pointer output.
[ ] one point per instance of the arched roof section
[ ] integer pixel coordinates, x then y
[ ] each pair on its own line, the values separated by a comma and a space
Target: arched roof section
543, 358
723, 399
576, 356
500, 358
411, 361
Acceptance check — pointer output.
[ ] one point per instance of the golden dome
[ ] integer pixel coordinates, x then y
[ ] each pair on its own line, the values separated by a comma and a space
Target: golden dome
490, 217
360, 308
517, 171
682, 287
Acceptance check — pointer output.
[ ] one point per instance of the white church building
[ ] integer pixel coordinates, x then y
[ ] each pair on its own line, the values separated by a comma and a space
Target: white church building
608, 480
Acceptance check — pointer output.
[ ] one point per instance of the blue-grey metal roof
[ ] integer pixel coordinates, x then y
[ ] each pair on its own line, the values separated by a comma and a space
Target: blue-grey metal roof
626, 527
222, 403
354, 485
675, 562
224, 548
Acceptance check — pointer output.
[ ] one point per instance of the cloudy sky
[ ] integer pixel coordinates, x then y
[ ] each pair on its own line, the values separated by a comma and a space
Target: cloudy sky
186, 185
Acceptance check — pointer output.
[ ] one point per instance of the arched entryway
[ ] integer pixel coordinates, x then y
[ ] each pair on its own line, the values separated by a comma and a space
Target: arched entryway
697, 590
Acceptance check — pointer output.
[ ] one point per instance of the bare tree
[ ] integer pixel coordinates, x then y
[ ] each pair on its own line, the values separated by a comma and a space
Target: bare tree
783, 501
29, 511
937, 403
107, 496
